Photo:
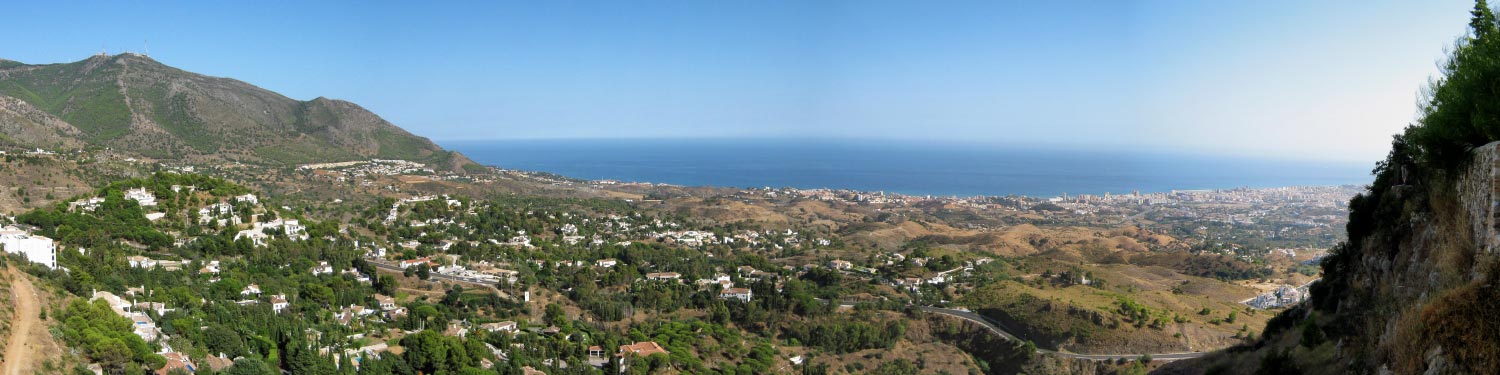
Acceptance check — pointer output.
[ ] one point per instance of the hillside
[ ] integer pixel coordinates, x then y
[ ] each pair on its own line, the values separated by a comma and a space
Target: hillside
1412, 290
131, 103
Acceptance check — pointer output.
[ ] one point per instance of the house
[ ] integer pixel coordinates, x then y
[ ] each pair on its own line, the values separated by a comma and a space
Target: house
322, 269
638, 350
742, 294
372, 350
35, 248
503, 274
456, 329
158, 307
596, 351
505, 326
396, 313
840, 264
256, 236
348, 314
218, 363
278, 303
658, 276
89, 204
211, 268
293, 229
414, 262
137, 261
607, 263
119, 305
143, 326
385, 302
207, 214
248, 198
175, 362
141, 196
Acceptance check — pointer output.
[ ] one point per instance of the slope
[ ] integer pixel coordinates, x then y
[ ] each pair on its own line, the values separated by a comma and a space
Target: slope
133, 103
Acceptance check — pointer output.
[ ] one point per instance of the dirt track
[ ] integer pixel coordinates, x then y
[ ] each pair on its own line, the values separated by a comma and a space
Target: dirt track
19, 345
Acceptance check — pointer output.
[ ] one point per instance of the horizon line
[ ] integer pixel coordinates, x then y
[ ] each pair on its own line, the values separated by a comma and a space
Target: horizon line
1049, 146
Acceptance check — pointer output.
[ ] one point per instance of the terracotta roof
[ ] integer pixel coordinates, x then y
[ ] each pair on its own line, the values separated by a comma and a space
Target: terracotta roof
175, 361
642, 349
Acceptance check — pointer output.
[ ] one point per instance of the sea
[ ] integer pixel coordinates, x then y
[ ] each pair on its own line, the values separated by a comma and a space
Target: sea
914, 168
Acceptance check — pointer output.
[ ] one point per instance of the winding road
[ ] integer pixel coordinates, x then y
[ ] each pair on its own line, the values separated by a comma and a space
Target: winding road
995, 327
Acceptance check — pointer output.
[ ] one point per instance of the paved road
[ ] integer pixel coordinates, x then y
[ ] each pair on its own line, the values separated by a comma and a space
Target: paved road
996, 328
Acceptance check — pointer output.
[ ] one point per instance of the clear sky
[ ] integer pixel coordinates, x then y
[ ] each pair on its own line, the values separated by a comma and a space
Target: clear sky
1292, 79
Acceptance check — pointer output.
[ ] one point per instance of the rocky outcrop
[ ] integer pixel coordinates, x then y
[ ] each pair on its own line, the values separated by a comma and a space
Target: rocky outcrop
1413, 292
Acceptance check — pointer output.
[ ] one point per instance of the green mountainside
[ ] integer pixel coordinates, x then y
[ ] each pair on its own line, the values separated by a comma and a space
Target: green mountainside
132, 103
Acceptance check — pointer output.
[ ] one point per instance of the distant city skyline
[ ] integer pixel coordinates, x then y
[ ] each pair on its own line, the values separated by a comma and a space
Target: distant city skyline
1284, 79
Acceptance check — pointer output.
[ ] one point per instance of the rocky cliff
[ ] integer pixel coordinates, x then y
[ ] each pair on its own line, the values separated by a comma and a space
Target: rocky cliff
1414, 291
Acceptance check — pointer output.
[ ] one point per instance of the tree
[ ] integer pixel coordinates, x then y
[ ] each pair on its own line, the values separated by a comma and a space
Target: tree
249, 366
1459, 112
553, 315
1482, 23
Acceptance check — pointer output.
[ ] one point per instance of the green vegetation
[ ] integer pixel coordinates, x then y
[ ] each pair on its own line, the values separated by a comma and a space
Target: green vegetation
105, 337
267, 128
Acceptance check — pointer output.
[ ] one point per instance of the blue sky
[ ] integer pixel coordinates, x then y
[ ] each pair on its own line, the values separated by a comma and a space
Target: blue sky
1290, 79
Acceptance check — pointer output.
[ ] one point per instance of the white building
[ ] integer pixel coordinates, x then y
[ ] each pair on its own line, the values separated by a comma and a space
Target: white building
384, 302
141, 196
89, 204
250, 198
257, 234
505, 326
322, 269
278, 303
36, 248
138, 261
742, 294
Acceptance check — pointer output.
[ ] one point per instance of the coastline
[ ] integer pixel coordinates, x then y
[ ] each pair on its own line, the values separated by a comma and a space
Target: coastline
911, 170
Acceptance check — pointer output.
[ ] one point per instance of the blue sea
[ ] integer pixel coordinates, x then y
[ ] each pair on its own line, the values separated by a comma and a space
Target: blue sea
923, 168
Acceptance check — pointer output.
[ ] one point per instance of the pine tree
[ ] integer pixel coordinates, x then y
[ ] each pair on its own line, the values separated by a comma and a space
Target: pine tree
1483, 22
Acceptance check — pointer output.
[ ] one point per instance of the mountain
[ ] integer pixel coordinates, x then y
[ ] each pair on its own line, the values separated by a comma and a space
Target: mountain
132, 103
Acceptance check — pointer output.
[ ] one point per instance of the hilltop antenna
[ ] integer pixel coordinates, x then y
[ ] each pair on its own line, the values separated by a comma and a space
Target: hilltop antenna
147, 42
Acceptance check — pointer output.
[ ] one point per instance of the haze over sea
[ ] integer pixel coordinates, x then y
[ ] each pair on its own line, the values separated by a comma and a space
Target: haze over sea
941, 169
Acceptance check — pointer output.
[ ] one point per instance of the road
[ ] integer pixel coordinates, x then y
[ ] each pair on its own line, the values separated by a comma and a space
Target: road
18, 347
995, 327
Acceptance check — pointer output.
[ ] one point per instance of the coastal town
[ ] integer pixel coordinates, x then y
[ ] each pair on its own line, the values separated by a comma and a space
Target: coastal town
411, 250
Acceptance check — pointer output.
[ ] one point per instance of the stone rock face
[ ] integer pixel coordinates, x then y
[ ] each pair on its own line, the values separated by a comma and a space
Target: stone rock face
1479, 189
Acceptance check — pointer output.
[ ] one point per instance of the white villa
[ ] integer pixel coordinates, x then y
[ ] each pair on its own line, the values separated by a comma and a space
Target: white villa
250, 198
141, 196
742, 294
37, 249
